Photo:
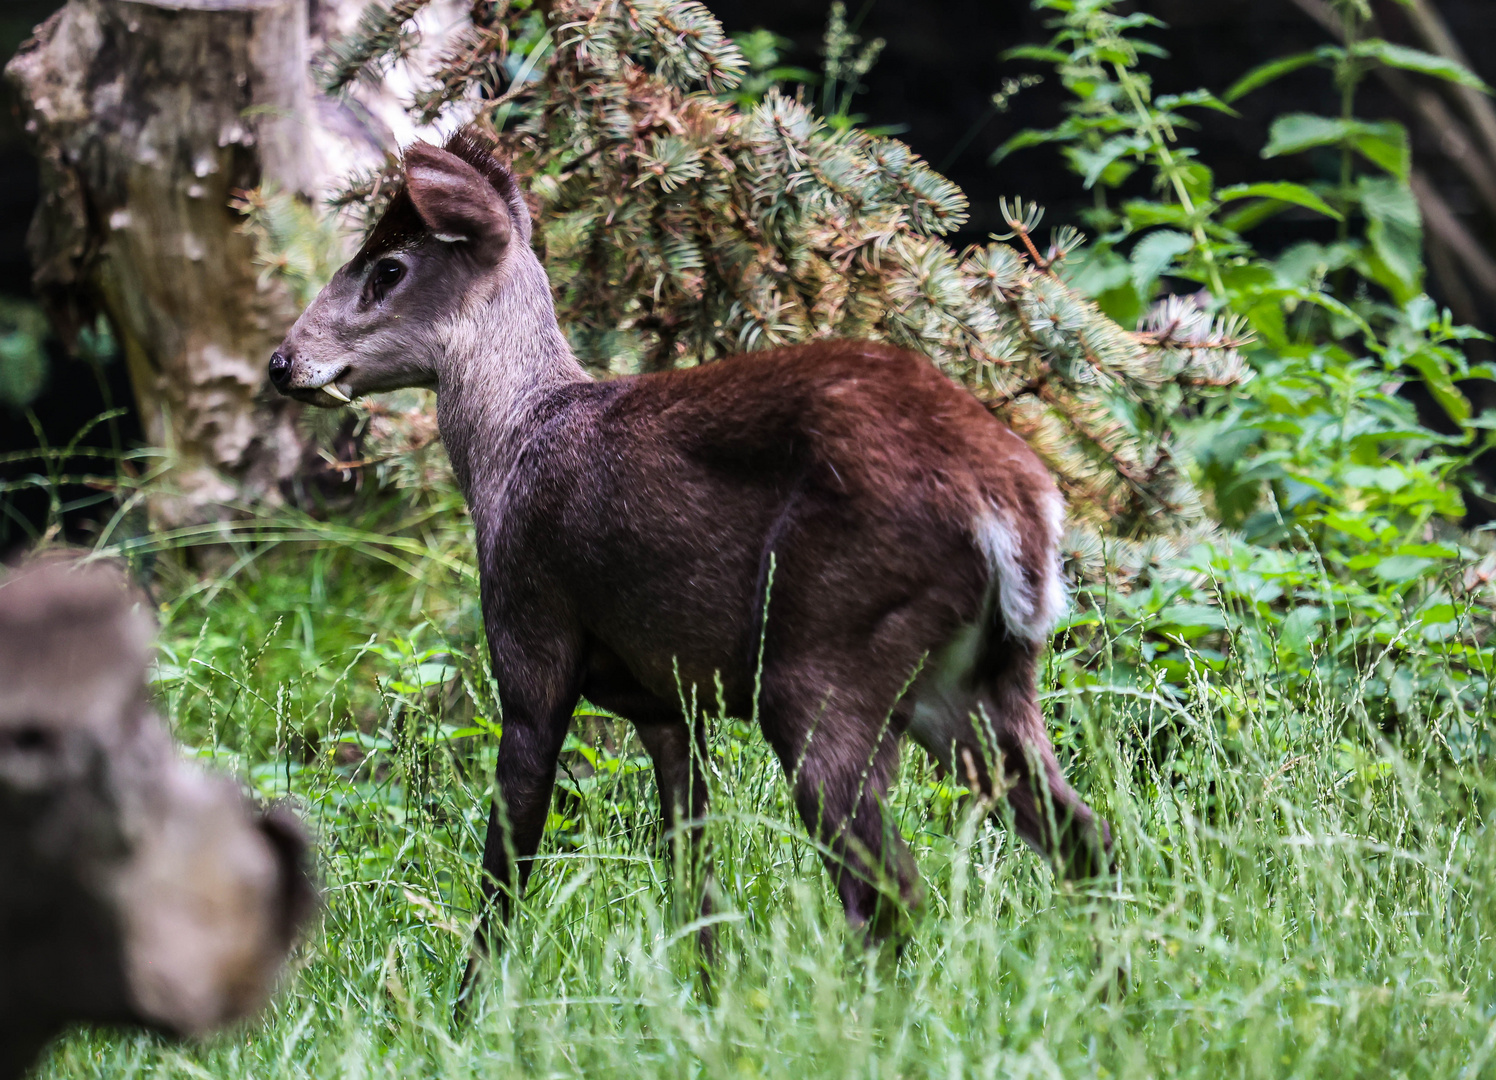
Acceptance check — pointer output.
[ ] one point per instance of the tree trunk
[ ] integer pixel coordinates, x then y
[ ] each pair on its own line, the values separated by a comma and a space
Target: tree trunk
147, 116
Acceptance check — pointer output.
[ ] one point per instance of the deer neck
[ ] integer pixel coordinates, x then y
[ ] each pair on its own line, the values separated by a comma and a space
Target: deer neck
504, 357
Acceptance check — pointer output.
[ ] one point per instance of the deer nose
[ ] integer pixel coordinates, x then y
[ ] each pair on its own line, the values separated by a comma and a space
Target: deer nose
280, 368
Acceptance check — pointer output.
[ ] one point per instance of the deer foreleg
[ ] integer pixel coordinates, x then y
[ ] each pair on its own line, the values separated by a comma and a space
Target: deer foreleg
538, 691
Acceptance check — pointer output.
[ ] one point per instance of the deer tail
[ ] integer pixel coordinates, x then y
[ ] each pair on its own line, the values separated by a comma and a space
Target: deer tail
1020, 540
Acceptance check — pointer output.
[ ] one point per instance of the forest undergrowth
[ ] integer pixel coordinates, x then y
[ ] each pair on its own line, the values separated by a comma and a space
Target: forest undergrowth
1300, 892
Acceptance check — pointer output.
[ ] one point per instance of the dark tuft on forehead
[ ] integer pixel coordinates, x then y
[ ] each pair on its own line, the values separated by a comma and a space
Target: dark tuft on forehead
401, 225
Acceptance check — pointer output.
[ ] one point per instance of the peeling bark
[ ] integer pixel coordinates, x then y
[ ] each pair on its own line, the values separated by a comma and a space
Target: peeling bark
147, 115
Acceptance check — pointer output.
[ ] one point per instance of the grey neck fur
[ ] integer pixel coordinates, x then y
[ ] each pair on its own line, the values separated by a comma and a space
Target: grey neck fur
503, 354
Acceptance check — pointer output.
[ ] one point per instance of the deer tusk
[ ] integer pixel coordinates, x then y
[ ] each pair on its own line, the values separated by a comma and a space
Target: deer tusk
332, 391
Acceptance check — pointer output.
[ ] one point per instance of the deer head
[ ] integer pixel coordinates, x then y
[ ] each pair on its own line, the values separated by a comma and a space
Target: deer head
446, 246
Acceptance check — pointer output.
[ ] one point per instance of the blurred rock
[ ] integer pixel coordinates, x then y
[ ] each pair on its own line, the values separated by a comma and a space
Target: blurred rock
134, 887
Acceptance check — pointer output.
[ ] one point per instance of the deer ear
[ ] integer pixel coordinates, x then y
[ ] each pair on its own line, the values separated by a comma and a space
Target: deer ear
454, 199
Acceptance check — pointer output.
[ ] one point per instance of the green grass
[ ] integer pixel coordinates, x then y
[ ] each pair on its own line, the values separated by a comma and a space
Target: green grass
1299, 895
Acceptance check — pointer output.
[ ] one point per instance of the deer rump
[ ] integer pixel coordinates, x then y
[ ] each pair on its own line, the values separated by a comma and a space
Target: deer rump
834, 528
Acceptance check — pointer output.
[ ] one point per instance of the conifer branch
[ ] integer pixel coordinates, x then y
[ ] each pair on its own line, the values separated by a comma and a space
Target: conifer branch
381, 39
679, 228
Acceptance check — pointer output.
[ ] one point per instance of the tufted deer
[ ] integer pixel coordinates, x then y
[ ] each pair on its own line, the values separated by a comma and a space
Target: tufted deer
628, 531
134, 888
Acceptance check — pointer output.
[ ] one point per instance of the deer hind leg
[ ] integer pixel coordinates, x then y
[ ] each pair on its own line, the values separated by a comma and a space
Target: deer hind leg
1047, 812
840, 762
984, 727
677, 759
677, 750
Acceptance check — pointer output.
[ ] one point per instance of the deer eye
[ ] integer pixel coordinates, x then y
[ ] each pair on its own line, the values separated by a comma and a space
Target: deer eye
385, 274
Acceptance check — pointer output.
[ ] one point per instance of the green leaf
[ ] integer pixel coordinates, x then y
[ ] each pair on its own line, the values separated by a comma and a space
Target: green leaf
1022, 141
464, 733
1250, 215
1401, 688
1400, 568
1270, 322
1395, 229
1275, 69
1351, 525
1123, 305
1307, 262
1138, 19
1386, 478
1154, 254
1400, 56
1194, 615
1198, 180
1036, 52
1437, 378
1421, 313
23, 357
1300, 628
1202, 99
1430, 551
1247, 278
1385, 143
1091, 164
1095, 270
1281, 191
1293, 133
1143, 214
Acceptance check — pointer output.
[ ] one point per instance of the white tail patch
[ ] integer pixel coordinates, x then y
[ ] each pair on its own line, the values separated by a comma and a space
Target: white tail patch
1030, 609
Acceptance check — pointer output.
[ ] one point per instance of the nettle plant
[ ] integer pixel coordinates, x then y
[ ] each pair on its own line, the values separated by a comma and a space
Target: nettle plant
1342, 571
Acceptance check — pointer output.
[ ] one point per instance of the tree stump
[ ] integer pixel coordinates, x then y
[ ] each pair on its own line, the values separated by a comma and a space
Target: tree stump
147, 116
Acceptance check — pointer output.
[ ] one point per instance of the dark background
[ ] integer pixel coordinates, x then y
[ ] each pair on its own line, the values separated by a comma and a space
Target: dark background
933, 83
941, 65
17, 171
